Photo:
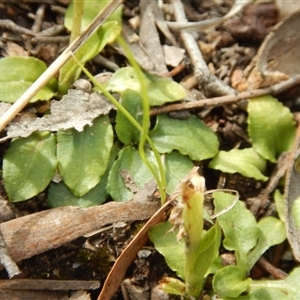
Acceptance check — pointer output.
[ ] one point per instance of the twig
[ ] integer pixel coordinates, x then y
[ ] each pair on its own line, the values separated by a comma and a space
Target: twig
51, 39
5, 259
101, 60
275, 272
57, 64
38, 20
206, 24
10, 25
52, 285
259, 202
217, 101
51, 31
58, 9
206, 80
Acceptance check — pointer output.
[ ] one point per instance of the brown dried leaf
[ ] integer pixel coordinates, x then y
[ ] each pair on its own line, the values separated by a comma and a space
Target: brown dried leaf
149, 35
173, 55
286, 10
292, 192
138, 50
278, 57
75, 110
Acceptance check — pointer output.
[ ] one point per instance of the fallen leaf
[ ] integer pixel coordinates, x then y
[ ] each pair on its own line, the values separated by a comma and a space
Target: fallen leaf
292, 193
278, 57
75, 110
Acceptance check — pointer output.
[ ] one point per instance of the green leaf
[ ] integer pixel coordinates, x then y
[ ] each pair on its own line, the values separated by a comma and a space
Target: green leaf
126, 132
265, 294
271, 232
239, 226
293, 280
107, 33
274, 289
244, 161
207, 253
28, 165
176, 167
90, 11
165, 242
160, 90
271, 127
230, 282
18, 74
190, 137
83, 156
60, 195
129, 161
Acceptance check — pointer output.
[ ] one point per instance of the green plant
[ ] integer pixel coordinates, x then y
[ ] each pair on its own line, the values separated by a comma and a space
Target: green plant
19, 73
89, 143
91, 163
78, 16
138, 91
243, 236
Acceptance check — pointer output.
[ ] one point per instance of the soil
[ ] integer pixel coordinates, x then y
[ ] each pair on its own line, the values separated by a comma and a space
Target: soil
227, 50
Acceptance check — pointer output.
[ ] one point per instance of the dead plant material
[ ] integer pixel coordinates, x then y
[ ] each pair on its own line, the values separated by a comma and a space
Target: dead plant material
33, 234
292, 194
52, 285
218, 101
278, 57
117, 273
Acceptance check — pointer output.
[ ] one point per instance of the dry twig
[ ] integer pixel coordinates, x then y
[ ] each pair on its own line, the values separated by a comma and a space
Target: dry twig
207, 81
217, 101
38, 18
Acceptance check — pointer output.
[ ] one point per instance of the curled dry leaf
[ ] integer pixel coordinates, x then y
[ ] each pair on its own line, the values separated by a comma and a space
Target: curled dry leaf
150, 37
292, 196
173, 55
278, 57
286, 10
74, 110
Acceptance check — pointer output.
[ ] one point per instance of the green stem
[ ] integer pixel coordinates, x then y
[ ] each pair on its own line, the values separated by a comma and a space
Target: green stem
161, 180
274, 284
77, 19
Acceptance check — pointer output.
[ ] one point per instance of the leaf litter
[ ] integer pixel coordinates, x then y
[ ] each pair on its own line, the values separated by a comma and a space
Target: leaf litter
75, 110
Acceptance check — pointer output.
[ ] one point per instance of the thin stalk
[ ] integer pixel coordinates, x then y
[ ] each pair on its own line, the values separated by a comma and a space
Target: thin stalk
146, 123
77, 19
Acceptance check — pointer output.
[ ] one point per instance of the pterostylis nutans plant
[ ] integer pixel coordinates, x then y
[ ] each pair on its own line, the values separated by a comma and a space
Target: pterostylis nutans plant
198, 248
192, 250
